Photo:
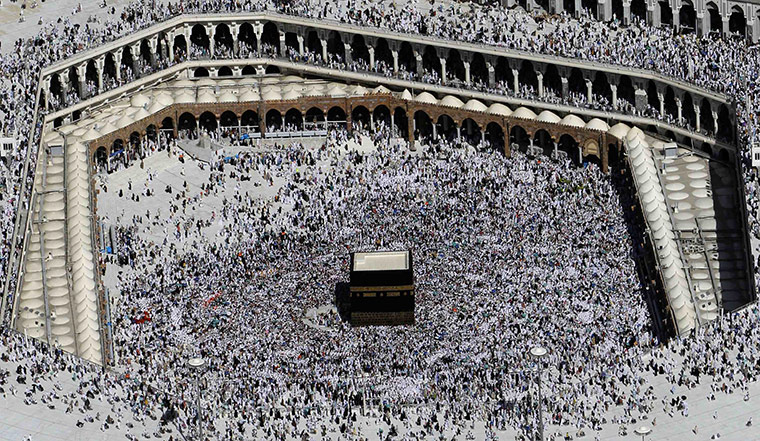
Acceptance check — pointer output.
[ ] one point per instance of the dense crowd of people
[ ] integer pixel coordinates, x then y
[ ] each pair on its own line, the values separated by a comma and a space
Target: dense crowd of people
523, 251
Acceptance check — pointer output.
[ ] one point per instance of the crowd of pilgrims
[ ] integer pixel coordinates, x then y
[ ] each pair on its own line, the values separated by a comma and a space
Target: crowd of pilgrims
536, 279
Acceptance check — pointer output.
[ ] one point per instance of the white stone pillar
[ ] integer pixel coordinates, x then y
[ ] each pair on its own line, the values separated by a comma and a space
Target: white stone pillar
679, 105
589, 91
324, 49
614, 96
211, 31
117, 54
371, 51
698, 113
81, 73
234, 32
395, 61
467, 79
46, 88
540, 77
300, 44
516, 82
443, 71
661, 98
715, 122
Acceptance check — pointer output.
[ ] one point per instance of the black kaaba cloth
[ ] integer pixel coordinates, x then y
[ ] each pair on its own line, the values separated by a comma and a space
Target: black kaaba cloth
382, 288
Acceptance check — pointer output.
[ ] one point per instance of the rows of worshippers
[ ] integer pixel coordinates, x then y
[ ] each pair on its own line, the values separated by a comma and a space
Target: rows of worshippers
720, 64
232, 285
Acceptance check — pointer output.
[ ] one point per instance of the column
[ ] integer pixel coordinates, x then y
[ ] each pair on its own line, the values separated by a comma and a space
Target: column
349, 55
589, 91
443, 71
153, 45
467, 79
604, 10
578, 8
300, 45
459, 132
435, 130
170, 45
491, 74
134, 49
81, 73
211, 31
698, 112
661, 99
516, 81
324, 49
283, 52
613, 87
565, 86
507, 149
626, 13
410, 131
258, 29
418, 59
540, 77
653, 14
117, 62
46, 88
558, 6
371, 51
725, 28
100, 64
395, 61
235, 31
676, 17
679, 105
701, 26
715, 122
556, 147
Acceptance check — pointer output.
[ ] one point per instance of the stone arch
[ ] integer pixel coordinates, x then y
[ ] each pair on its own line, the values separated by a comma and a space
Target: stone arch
272, 70
617, 9
406, 59
569, 7
336, 115
503, 73
471, 131
314, 119
293, 120
207, 121
519, 138
359, 49
687, 106
725, 127
527, 75
180, 47
423, 125
224, 71
478, 69
167, 123
601, 87
666, 13
446, 127
705, 116
223, 37
716, 23
382, 114
495, 135
670, 102
360, 117
198, 37
430, 61
401, 121
109, 67
335, 46
625, 90
126, 59
737, 22
200, 72
383, 53
569, 145
145, 54
552, 80
639, 9
247, 37
542, 138
576, 83
652, 98
291, 42
591, 6
687, 17
313, 43
274, 120
723, 155
151, 133
249, 70
74, 79
455, 66
250, 120
228, 119
100, 157
270, 38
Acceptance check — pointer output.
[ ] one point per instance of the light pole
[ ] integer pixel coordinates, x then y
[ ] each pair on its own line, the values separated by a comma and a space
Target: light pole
197, 364
642, 431
539, 352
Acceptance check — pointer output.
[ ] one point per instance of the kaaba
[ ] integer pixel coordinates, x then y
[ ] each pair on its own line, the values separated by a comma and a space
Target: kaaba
381, 288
